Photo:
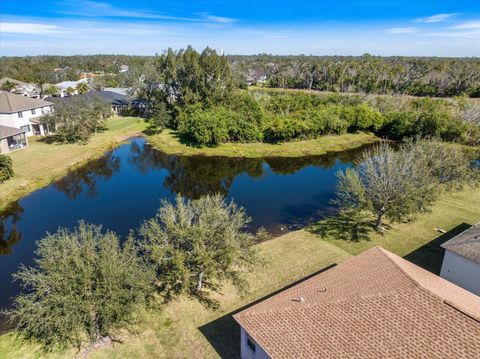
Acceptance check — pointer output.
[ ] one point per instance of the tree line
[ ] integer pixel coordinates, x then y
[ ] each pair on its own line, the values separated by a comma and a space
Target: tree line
417, 76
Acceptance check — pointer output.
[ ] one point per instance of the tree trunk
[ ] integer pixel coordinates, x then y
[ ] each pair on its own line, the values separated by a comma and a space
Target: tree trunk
378, 222
200, 281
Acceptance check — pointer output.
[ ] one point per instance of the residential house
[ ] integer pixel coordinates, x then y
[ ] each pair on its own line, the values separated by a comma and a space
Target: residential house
23, 113
12, 139
21, 88
117, 101
64, 86
374, 305
461, 263
120, 90
123, 69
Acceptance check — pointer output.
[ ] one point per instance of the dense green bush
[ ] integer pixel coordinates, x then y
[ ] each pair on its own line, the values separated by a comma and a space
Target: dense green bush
284, 128
283, 117
6, 168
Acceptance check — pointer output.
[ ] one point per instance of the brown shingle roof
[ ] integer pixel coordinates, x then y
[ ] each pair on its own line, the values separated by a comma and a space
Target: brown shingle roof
375, 305
11, 103
6, 131
466, 244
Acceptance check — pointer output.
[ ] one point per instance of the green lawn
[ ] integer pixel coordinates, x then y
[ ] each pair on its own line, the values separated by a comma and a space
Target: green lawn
168, 142
41, 163
184, 329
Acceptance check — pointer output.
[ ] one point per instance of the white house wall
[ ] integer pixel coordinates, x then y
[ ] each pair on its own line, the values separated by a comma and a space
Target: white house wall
12, 119
246, 352
461, 271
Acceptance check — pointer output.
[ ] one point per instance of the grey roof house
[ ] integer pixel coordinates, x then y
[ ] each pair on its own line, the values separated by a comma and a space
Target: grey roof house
12, 138
114, 99
461, 263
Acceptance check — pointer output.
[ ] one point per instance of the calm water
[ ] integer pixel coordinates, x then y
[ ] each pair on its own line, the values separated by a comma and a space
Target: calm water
125, 187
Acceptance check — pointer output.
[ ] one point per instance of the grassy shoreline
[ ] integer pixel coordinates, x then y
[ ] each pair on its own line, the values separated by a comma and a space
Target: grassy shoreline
40, 163
168, 142
183, 328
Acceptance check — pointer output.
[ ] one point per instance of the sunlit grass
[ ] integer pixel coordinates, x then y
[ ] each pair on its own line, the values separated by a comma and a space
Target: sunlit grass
169, 142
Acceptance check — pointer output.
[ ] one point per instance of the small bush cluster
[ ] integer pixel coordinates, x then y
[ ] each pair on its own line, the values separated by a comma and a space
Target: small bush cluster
6, 168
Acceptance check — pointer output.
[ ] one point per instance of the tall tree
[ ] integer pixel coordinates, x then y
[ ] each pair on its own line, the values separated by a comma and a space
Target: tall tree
197, 245
398, 184
85, 287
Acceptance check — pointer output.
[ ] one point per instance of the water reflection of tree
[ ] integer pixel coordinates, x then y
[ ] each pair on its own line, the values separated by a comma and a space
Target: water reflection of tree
9, 238
85, 178
289, 165
194, 176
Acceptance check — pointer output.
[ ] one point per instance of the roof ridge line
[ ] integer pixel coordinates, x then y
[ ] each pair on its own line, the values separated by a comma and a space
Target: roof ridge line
382, 250
426, 290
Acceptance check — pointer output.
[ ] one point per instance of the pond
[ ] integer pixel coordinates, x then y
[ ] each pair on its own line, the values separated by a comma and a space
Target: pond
125, 186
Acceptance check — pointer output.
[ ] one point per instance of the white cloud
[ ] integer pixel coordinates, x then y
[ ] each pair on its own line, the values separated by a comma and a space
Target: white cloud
402, 30
101, 9
436, 18
218, 19
29, 28
468, 25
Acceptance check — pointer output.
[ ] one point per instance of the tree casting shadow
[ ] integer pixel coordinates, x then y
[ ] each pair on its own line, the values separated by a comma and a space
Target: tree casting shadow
343, 227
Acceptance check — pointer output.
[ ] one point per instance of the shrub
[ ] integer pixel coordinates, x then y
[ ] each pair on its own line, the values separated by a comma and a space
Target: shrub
84, 287
196, 246
284, 128
6, 168
205, 127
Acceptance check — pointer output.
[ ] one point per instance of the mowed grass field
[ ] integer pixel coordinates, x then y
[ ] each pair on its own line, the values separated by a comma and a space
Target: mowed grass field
168, 141
184, 329
41, 163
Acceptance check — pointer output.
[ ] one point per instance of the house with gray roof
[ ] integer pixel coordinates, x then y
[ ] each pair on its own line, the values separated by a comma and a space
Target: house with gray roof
461, 263
11, 139
20, 87
24, 113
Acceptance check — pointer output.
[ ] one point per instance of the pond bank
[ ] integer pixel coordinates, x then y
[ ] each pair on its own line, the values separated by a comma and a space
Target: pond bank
184, 328
40, 163
169, 142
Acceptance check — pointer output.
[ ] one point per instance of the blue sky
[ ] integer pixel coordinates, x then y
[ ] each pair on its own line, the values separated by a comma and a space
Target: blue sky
333, 27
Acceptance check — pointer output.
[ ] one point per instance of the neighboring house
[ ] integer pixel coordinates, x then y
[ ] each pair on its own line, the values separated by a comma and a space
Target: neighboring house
123, 69
461, 263
374, 305
120, 90
21, 88
23, 113
64, 85
117, 101
12, 139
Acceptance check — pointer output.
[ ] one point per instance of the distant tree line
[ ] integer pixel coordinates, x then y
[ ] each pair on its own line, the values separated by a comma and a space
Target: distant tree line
417, 76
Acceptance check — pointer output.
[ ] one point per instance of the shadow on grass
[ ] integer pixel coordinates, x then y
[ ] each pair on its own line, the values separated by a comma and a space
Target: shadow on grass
430, 255
343, 227
56, 139
223, 333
